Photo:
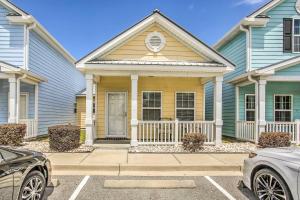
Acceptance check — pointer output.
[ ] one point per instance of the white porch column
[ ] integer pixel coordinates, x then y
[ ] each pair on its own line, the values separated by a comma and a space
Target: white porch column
12, 112
218, 109
261, 107
134, 108
89, 139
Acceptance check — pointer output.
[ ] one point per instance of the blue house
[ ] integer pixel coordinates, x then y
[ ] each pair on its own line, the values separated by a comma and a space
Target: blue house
263, 93
38, 78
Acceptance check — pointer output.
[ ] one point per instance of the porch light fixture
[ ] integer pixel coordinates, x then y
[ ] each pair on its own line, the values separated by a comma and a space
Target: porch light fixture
298, 6
155, 41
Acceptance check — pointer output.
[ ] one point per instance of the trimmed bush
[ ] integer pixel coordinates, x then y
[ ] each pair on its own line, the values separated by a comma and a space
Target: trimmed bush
273, 140
64, 137
193, 141
12, 134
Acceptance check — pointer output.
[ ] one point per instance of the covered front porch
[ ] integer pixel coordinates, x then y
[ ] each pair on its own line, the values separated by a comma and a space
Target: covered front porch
151, 109
19, 97
268, 100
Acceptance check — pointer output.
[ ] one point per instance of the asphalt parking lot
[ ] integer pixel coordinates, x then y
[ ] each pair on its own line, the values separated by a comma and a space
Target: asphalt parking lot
92, 187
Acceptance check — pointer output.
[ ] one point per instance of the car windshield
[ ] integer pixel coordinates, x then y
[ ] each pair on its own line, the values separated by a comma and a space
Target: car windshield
7, 155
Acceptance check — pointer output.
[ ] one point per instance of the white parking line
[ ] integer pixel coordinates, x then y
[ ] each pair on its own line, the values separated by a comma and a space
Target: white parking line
220, 188
79, 187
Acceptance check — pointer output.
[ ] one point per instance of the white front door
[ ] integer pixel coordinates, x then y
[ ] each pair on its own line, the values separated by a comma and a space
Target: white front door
116, 114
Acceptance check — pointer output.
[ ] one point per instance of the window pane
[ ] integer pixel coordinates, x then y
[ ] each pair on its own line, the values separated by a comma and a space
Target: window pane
185, 100
296, 26
151, 114
151, 99
250, 115
250, 102
185, 115
283, 116
297, 43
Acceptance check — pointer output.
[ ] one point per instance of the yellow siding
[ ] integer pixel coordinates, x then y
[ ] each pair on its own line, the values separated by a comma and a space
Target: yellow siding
80, 115
168, 87
135, 49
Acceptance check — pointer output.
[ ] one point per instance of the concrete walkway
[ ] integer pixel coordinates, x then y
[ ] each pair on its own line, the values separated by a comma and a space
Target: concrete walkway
106, 161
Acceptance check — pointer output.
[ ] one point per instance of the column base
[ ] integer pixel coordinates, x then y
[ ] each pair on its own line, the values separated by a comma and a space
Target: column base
134, 143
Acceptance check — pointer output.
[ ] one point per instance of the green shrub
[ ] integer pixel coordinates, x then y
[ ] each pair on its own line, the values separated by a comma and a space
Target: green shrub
193, 141
64, 137
273, 140
12, 134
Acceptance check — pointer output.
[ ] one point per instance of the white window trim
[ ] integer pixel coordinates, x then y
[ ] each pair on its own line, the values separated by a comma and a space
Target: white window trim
161, 103
293, 35
291, 110
187, 92
246, 109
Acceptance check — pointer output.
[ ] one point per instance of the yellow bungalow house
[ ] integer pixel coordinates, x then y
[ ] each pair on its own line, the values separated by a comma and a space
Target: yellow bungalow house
150, 85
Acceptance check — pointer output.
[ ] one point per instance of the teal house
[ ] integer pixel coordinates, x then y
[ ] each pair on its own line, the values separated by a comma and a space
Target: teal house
263, 93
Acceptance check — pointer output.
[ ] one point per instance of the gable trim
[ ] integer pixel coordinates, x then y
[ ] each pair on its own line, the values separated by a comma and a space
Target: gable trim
164, 22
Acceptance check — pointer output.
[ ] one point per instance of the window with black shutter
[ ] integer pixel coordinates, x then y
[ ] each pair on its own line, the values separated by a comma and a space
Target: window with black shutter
287, 34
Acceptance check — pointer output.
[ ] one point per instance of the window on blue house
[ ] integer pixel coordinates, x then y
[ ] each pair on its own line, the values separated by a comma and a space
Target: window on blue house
296, 35
283, 108
250, 107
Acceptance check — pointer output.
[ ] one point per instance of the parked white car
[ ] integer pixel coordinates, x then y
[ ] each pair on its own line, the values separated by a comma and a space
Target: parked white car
273, 173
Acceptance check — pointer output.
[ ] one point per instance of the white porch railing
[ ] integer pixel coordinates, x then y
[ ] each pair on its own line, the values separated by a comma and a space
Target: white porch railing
288, 127
172, 132
31, 127
245, 130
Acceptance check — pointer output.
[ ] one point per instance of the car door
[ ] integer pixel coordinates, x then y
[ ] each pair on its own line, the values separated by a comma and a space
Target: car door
6, 179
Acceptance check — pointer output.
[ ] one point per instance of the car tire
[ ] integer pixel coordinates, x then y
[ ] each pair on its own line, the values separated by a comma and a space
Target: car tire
33, 184
267, 183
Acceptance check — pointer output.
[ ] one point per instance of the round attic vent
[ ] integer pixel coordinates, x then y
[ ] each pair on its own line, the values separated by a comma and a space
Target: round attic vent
155, 41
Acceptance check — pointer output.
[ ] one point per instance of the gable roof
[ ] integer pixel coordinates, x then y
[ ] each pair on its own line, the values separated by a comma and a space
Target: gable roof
25, 18
257, 17
156, 17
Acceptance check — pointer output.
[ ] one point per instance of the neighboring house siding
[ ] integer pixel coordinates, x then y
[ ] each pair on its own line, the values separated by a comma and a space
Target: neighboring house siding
3, 100
290, 71
57, 96
267, 42
11, 40
235, 51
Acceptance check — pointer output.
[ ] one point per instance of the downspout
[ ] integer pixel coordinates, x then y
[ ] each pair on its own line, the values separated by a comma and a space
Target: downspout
250, 78
26, 42
248, 47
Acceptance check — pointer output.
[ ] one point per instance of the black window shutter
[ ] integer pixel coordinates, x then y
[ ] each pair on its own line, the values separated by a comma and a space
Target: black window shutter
287, 34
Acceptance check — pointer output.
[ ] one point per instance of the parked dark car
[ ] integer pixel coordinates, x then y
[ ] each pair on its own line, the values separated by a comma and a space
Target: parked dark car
23, 174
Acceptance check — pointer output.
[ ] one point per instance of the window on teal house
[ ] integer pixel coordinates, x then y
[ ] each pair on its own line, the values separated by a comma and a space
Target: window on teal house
185, 106
250, 107
283, 108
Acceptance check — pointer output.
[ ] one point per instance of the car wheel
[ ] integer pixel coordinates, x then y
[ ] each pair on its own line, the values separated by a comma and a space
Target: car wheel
33, 186
268, 185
